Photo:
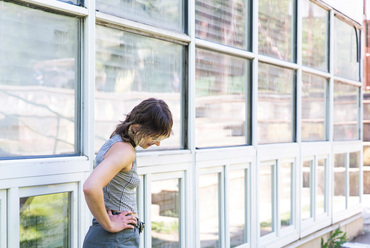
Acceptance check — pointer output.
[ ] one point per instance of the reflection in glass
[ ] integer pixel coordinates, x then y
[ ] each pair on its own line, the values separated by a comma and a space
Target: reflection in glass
266, 202
321, 186
275, 104
162, 13
220, 99
237, 209
38, 82
223, 22
345, 112
286, 201
354, 178
275, 28
315, 36
45, 221
306, 196
346, 55
314, 95
339, 200
209, 211
165, 213
129, 69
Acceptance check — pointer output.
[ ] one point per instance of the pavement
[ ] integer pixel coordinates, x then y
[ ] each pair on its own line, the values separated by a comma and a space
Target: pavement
362, 240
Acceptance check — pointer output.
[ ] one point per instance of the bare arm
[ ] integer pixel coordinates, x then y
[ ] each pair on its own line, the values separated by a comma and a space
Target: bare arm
119, 157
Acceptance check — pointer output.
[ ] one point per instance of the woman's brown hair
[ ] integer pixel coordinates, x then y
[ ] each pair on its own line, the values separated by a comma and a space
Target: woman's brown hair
153, 117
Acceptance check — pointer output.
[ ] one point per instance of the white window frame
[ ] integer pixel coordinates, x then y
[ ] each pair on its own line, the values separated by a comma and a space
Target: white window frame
3, 219
246, 167
71, 188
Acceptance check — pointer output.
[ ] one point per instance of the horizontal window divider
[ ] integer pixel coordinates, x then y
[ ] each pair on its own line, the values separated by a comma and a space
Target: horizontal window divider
277, 62
347, 146
347, 81
274, 151
316, 72
230, 154
59, 6
51, 189
167, 176
166, 168
140, 28
210, 170
162, 157
224, 49
37, 167
315, 148
45, 180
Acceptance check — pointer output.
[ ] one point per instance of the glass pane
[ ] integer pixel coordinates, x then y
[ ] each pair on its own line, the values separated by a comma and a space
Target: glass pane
129, 69
286, 201
315, 36
321, 186
339, 200
306, 196
346, 57
74, 2
220, 99
314, 107
354, 178
39, 71
161, 13
45, 221
276, 28
237, 207
209, 211
165, 210
275, 104
223, 22
266, 200
346, 112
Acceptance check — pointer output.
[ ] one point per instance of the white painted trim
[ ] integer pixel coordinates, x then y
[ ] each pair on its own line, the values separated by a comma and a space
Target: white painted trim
59, 6
142, 28
223, 49
3, 219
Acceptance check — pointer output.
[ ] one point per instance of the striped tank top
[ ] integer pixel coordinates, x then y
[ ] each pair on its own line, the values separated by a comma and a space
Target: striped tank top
120, 192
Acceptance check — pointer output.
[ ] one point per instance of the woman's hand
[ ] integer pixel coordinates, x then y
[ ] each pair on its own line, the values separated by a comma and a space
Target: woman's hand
121, 221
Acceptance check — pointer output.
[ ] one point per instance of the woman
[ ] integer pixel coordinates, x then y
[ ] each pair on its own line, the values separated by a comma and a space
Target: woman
110, 189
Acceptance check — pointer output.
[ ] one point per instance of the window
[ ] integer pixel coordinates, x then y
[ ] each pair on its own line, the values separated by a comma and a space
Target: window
339, 200
166, 14
237, 206
227, 23
306, 191
39, 82
286, 193
221, 89
346, 50
354, 179
131, 68
314, 107
315, 36
209, 202
321, 191
276, 103
266, 199
276, 34
45, 220
346, 112
165, 213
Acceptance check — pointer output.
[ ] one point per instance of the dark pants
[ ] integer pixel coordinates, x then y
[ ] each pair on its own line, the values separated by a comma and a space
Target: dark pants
98, 237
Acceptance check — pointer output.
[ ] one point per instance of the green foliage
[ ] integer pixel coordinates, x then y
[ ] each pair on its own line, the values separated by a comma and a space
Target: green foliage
336, 239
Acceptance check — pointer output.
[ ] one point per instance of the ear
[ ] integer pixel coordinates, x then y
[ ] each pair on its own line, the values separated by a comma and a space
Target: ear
134, 127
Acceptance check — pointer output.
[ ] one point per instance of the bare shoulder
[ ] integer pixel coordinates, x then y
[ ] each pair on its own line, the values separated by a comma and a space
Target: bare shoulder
122, 154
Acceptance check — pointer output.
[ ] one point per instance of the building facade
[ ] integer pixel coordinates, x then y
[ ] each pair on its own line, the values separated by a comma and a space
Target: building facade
267, 103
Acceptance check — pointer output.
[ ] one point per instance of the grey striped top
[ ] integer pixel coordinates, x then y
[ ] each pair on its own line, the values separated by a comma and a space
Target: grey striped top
120, 192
